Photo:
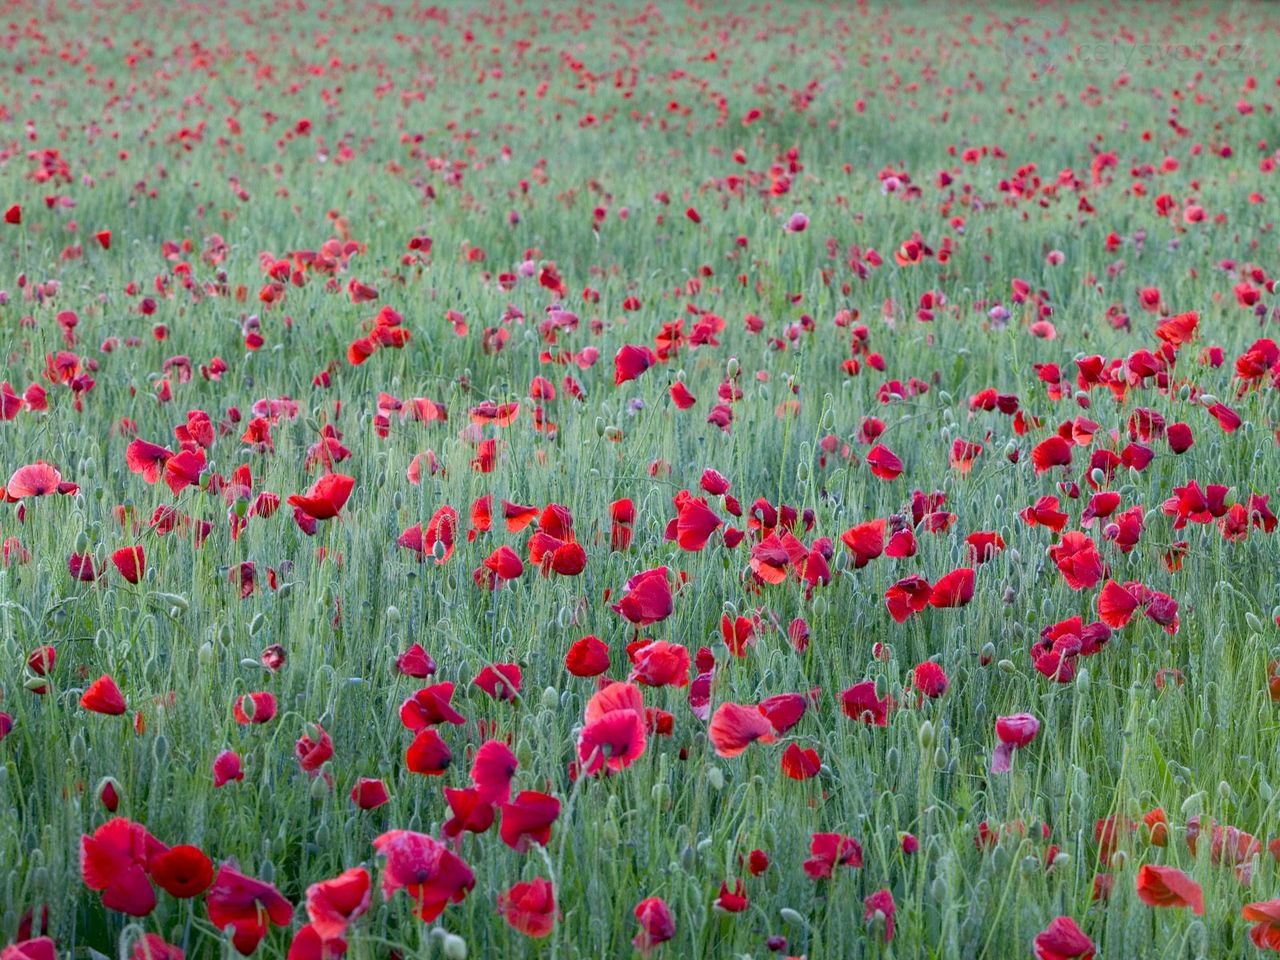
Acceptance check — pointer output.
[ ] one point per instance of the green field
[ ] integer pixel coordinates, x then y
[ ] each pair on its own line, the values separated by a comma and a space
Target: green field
927, 352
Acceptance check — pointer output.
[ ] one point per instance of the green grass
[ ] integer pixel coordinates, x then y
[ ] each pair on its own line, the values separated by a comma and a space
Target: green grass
675, 823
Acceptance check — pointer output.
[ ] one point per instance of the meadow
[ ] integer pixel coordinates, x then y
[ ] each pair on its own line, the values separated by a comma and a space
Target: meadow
683, 479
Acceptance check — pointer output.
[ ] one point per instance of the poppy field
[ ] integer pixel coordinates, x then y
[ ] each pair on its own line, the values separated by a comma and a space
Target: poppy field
682, 479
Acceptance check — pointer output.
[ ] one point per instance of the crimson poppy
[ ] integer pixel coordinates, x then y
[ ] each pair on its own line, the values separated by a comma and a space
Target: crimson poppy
1169, 887
246, 906
530, 907
182, 871
326, 497
431, 873
333, 904
657, 925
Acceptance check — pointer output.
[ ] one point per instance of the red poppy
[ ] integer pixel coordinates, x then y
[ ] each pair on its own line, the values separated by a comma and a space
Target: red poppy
259, 707
1169, 887
34, 480
587, 657
326, 497
731, 901
500, 680
880, 906
528, 819
103, 696
657, 925
955, 589
182, 871
861, 703
1013, 732
333, 904
369, 793
431, 873
428, 754
646, 598
1063, 940
430, 706
658, 663
884, 463
247, 906
492, 771
613, 735
735, 727
226, 768
830, 850
114, 861
313, 750
131, 562
1266, 915
530, 907
800, 764
865, 541
40, 948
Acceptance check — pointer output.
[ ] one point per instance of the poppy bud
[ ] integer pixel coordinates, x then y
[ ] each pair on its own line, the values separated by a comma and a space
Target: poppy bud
36, 684
924, 736
661, 795
938, 889
987, 654
1207, 400
1006, 666
397, 500
82, 543
109, 794
1224, 790
320, 787
715, 778
802, 472
828, 417
1254, 623
160, 749
792, 917
1192, 806
225, 634
1030, 865
550, 698
732, 367
940, 757
454, 947
205, 653
891, 759
881, 688
600, 426
1010, 595
257, 623
79, 749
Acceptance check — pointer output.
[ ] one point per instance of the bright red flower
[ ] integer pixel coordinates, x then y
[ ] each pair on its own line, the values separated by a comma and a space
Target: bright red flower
247, 906
114, 860
333, 904
431, 873
528, 819
326, 497
656, 924
131, 562
103, 696
1063, 940
529, 907
1169, 887
182, 871
735, 727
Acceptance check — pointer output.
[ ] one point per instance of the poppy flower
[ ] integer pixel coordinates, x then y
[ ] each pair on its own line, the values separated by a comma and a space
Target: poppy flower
369, 793
34, 480
39, 948
860, 702
865, 541
430, 706
326, 497
114, 860
103, 696
646, 598
955, 589
800, 764
1077, 559
226, 768
657, 925
150, 946
258, 708
1063, 940
735, 727
428, 754
660, 664
416, 662
884, 463
431, 873
909, 595
1266, 915
930, 679
333, 904
587, 657
529, 907
613, 735
881, 904
1013, 733
500, 680
247, 906
184, 469
528, 819
631, 361
313, 751
1169, 887
1051, 452
131, 562
830, 850
182, 871
492, 770
308, 945
147, 459
695, 523
470, 812
731, 901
